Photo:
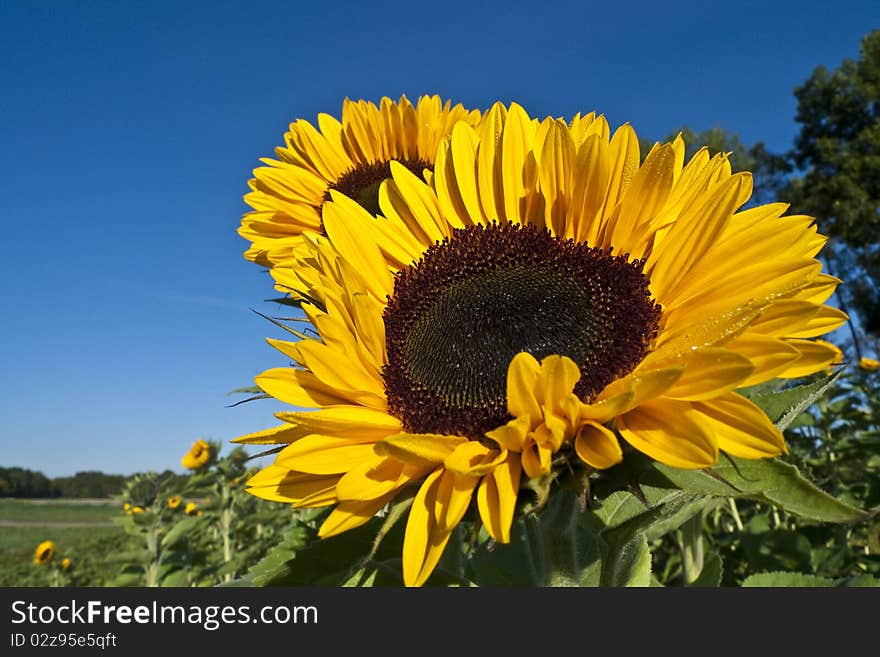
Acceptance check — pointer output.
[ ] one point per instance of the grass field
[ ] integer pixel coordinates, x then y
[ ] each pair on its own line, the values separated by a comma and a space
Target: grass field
81, 530
90, 511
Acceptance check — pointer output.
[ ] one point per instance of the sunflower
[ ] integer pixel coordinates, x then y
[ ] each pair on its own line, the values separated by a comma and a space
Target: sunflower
44, 553
541, 299
352, 157
174, 501
192, 509
869, 364
66, 563
198, 455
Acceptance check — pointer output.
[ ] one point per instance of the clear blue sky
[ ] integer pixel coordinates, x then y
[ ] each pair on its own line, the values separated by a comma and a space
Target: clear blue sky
128, 131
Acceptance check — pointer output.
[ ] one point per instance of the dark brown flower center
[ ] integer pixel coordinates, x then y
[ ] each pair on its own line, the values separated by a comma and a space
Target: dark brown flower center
472, 302
362, 181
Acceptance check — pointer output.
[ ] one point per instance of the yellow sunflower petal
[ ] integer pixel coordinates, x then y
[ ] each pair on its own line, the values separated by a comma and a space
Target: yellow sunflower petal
709, 372
347, 225
558, 376
815, 357
536, 461
512, 436
453, 497
275, 436
824, 321
282, 485
692, 235
342, 422
370, 479
597, 446
419, 449
605, 409
739, 427
522, 376
423, 542
474, 459
349, 514
496, 497
665, 431
517, 136
769, 355
298, 388
324, 455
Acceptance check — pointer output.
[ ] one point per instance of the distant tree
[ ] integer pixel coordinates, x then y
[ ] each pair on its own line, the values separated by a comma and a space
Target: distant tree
838, 155
20, 482
89, 483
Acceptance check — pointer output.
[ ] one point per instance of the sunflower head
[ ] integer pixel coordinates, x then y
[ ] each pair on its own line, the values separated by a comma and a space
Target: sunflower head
44, 553
199, 455
174, 501
351, 157
869, 364
192, 509
66, 563
544, 297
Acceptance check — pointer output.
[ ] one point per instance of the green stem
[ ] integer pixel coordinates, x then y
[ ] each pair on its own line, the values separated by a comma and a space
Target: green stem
735, 512
152, 569
691, 543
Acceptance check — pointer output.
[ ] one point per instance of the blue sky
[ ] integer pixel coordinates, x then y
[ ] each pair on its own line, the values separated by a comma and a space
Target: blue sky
128, 132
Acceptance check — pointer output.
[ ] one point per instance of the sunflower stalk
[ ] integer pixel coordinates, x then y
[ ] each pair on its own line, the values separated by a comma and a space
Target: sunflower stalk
691, 545
558, 545
151, 570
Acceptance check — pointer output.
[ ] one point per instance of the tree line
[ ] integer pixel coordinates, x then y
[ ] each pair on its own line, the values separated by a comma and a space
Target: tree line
21, 482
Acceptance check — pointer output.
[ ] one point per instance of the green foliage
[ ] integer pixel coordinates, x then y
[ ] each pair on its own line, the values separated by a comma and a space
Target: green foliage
20, 482
24, 483
202, 529
89, 483
838, 151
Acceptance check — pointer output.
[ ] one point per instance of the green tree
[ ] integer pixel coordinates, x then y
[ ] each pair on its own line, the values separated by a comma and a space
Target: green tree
837, 154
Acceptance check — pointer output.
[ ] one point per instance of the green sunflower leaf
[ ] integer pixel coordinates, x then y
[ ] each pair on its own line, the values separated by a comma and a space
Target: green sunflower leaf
627, 563
176, 578
784, 406
624, 544
276, 563
767, 480
777, 579
861, 581
179, 530
244, 581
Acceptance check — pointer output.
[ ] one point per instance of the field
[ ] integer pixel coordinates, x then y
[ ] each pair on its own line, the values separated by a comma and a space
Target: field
82, 530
